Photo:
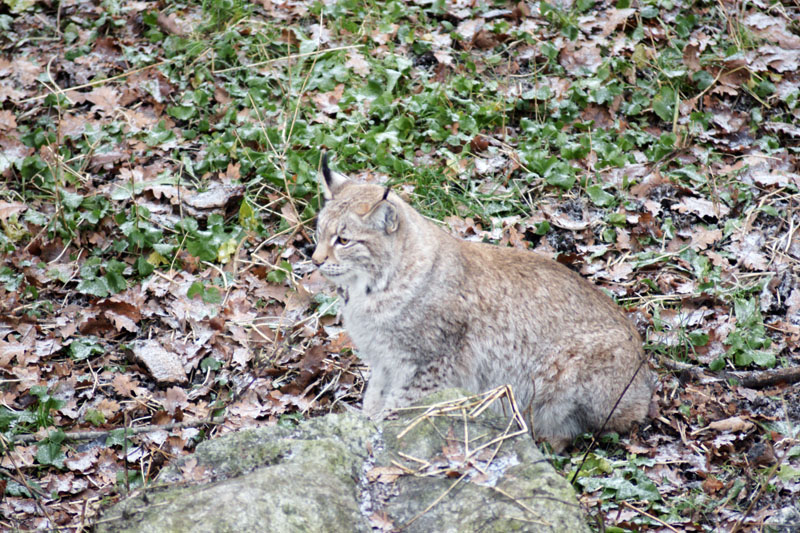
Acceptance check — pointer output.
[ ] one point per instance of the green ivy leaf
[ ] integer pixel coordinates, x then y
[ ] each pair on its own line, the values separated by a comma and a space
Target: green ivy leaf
95, 417
84, 348
210, 363
48, 452
195, 289
599, 197
182, 112
279, 274
664, 104
94, 287
117, 437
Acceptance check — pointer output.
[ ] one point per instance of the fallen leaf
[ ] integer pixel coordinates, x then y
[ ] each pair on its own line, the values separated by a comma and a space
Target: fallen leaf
9, 209
108, 407
748, 248
732, 424
164, 366
701, 207
328, 102
105, 99
711, 485
81, 461
384, 474
7, 120
357, 63
175, 398
702, 237
615, 18
124, 384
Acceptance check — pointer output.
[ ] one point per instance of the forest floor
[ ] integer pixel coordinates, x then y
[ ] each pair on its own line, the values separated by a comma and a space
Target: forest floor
159, 161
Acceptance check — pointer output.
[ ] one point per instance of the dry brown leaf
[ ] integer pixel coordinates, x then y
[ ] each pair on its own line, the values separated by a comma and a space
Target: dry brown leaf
357, 63
774, 57
216, 197
191, 471
81, 461
108, 407
9, 209
711, 485
620, 271
382, 521
7, 120
563, 219
748, 248
175, 398
328, 102
23, 456
468, 28
775, 177
124, 385
164, 366
385, 474
463, 227
732, 424
105, 99
772, 29
615, 18
123, 315
8, 350
46, 347
580, 56
702, 237
25, 71
701, 207
792, 130
485, 40
171, 24
242, 356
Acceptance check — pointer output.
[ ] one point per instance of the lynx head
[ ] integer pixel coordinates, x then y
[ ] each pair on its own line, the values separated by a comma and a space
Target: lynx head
356, 231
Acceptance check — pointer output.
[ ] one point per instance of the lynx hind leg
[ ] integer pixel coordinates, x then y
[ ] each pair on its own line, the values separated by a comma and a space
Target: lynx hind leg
634, 406
558, 423
618, 395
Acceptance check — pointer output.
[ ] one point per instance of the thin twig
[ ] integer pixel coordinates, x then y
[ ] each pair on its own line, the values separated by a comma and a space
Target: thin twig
91, 435
650, 516
603, 427
434, 502
99, 82
35, 494
286, 58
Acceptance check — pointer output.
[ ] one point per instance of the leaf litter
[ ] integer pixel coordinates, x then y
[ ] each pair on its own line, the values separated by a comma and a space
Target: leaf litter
669, 176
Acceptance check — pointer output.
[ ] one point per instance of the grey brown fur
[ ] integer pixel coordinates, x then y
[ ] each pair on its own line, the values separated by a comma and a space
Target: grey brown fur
429, 311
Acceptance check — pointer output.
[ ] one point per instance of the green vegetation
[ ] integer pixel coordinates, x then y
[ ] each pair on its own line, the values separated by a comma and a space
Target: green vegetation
159, 173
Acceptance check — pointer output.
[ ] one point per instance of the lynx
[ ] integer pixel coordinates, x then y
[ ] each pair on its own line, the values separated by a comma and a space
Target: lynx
429, 311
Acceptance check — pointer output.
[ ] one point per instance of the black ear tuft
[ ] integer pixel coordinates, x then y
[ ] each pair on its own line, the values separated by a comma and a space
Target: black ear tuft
326, 171
329, 181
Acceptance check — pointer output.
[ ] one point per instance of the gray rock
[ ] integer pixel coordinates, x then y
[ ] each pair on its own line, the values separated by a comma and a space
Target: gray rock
343, 473
506, 486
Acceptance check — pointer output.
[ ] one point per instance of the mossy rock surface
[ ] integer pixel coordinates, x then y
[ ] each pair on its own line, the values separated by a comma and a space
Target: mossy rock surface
508, 486
267, 479
324, 476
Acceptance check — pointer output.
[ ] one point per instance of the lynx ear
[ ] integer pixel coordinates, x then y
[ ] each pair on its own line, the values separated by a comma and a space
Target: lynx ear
384, 216
331, 182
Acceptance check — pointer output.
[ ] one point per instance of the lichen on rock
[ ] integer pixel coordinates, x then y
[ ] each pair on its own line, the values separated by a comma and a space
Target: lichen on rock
425, 470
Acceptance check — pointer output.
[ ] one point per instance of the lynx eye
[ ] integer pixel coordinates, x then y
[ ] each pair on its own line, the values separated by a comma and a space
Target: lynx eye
342, 241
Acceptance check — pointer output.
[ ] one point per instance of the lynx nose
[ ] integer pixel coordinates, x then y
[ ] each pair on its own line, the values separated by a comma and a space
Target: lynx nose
317, 258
